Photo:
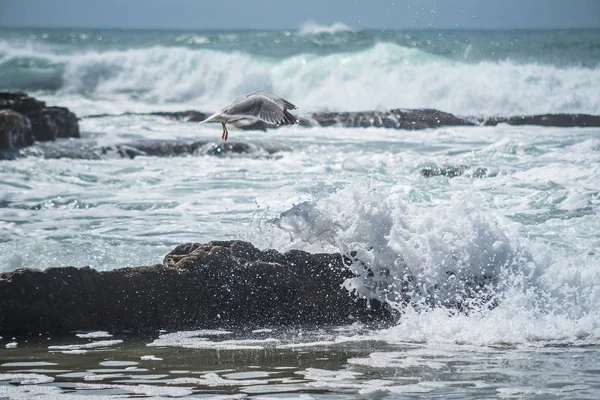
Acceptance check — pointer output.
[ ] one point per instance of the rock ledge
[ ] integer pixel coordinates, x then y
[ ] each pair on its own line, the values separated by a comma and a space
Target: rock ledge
221, 283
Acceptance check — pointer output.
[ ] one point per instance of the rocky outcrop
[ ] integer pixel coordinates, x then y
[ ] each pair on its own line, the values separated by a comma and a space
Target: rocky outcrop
45, 123
228, 283
188, 116
409, 119
51, 123
86, 149
398, 119
458, 170
15, 130
558, 120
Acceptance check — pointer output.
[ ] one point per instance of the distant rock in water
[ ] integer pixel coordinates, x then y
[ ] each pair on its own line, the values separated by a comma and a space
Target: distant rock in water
15, 130
558, 120
24, 120
408, 119
458, 170
398, 119
190, 115
226, 283
85, 149
45, 123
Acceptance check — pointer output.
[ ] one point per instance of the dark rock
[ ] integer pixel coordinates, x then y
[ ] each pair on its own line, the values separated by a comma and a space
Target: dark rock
228, 283
166, 148
85, 149
397, 119
220, 149
53, 122
458, 170
558, 120
428, 118
47, 123
385, 119
20, 102
190, 115
15, 130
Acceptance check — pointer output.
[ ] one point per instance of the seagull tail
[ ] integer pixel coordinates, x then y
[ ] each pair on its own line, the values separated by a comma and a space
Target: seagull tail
209, 119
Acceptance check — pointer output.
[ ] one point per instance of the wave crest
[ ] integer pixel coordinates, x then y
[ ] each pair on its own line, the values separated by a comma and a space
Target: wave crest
313, 28
430, 254
383, 76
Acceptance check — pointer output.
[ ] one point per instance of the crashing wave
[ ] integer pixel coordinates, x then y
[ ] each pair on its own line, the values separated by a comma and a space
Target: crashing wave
313, 28
381, 77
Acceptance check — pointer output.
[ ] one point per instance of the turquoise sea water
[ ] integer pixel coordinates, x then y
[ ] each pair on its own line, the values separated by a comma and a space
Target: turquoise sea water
532, 224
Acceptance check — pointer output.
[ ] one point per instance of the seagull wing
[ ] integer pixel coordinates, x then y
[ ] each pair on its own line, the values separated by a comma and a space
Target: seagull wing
258, 105
273, 97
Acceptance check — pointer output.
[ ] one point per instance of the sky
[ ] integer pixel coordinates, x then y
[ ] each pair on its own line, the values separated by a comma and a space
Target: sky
291, 14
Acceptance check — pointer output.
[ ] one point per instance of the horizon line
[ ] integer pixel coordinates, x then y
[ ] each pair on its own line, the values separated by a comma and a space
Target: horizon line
382, 29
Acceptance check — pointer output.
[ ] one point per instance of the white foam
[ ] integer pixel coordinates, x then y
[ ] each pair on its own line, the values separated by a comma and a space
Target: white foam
26, 379
400, 360
313, 28
113, 363
264, 330
150, 358
213, 379
383, 76
86, 346
146, 390
94, 335
191, 340
436, 251
102, 377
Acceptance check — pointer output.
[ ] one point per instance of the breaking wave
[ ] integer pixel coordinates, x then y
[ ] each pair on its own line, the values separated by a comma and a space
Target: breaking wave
383, 76
455, 272
313, 28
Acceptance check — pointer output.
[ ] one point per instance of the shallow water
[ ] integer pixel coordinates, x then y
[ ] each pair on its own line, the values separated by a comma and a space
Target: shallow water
323, 364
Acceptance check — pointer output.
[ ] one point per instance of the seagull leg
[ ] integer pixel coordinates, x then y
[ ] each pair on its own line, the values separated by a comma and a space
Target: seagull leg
225, 133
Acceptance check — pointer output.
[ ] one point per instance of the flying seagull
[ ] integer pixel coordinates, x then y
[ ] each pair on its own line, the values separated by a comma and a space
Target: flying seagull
261, 105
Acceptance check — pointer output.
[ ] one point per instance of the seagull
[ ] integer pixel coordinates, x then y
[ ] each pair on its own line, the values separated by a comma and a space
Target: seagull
261, 105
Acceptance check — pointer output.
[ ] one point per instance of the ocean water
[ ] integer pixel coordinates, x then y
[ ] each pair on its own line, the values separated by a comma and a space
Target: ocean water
529, 226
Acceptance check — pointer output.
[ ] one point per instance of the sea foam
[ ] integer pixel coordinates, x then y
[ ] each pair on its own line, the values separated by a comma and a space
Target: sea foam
448, 266
384, 76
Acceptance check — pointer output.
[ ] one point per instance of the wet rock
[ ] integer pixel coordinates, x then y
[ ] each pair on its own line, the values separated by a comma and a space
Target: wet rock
397, 119
15, 130
47, 123
20, 102
386, 119
561, 120
558, 120
52, 123
84, 149
226, 283
166, 148
409, 119
428, 118
458, 170
190, 115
